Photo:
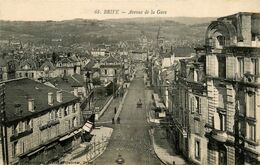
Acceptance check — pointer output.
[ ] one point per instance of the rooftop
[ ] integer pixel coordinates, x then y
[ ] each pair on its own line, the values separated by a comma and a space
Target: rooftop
18, 91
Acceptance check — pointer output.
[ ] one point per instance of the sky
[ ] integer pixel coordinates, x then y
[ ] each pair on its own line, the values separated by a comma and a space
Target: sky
40, 10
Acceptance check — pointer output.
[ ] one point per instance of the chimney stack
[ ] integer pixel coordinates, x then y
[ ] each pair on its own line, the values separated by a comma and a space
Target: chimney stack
50, 98
31, 105
59, 96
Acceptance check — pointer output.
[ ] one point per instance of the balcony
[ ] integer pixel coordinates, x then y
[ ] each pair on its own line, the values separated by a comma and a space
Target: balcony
16, 135
218, 135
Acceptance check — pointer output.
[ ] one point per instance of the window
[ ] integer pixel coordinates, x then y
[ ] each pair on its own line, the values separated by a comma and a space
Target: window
60, 112
14, 149
196, 126
32, 75
196, 77
197, 149
251, 132
221, 40
198, 104
254, 66
222, 66
28, 125
56, 114
222, 157
241, 67
26, 74
251, 104
221, 97
105, 71
70, 109
192, 104
21, 147
222, 118
74, 108
241, 103
20, 126
51, 115
66, 111
14, 130
115, 71
74, 122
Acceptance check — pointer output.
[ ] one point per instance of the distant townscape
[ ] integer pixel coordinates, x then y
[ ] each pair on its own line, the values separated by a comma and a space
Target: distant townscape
131, 91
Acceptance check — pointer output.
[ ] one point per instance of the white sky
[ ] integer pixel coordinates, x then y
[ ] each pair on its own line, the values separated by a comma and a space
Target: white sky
33, 10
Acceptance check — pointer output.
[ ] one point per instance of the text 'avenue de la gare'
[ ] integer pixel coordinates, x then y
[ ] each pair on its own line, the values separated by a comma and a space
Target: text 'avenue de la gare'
131, 12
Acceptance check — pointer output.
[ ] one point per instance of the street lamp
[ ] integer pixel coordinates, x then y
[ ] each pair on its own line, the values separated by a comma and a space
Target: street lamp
120, 160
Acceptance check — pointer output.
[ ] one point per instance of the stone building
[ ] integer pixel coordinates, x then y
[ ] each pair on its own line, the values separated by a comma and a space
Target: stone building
232, 70
42, 123
111, 69
215, 95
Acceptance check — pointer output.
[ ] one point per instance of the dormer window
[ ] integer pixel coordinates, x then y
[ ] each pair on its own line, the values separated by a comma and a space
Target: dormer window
26, 67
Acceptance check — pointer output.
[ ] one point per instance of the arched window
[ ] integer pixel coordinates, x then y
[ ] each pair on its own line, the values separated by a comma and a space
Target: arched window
221, 40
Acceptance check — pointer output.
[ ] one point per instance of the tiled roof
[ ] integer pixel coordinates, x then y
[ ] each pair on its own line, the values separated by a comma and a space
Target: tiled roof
110, 59
90, 65
47, 63
19, 90
68, 83
30, 62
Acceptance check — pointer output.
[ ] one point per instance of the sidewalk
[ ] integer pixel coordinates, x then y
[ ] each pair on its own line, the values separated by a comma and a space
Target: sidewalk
163, 149
87, 152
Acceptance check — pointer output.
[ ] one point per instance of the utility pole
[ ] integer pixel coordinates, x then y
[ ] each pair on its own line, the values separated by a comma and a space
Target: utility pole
3, 130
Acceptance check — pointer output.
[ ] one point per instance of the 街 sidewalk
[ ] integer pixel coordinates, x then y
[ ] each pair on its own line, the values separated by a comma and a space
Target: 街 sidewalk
88, 152
163, 149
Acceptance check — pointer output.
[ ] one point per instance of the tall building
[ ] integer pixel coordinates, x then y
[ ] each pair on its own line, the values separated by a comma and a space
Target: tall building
233, 79
215, 98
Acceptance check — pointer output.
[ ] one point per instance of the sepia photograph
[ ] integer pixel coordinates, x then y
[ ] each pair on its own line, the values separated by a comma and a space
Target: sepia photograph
129, 82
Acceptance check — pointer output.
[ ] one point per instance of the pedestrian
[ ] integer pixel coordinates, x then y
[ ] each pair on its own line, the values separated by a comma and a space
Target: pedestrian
113, 120
115, 110
118, 120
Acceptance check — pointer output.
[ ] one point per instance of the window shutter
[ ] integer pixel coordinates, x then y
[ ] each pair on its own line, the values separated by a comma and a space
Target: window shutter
200, 101
192, 104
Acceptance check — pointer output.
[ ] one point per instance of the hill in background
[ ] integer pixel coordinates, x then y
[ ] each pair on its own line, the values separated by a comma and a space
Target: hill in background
178, 30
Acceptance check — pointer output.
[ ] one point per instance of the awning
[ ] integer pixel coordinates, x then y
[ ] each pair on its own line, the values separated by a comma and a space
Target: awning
77, 131
162, 114
159, 105
71, 134
34, 152
88, 126
156, 97
67, 136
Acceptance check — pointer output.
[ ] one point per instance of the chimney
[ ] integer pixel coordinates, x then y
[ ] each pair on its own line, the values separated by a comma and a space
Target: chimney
59, 96
31, 105
50, 98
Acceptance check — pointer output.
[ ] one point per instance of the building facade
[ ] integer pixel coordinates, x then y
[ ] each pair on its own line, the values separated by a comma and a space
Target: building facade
42, 122
215, 96
232, 68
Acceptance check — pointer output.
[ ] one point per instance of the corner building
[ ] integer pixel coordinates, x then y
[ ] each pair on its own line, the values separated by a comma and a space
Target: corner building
233, 82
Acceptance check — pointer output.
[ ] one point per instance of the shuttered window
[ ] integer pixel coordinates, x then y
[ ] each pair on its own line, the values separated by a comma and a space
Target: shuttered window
251, 104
